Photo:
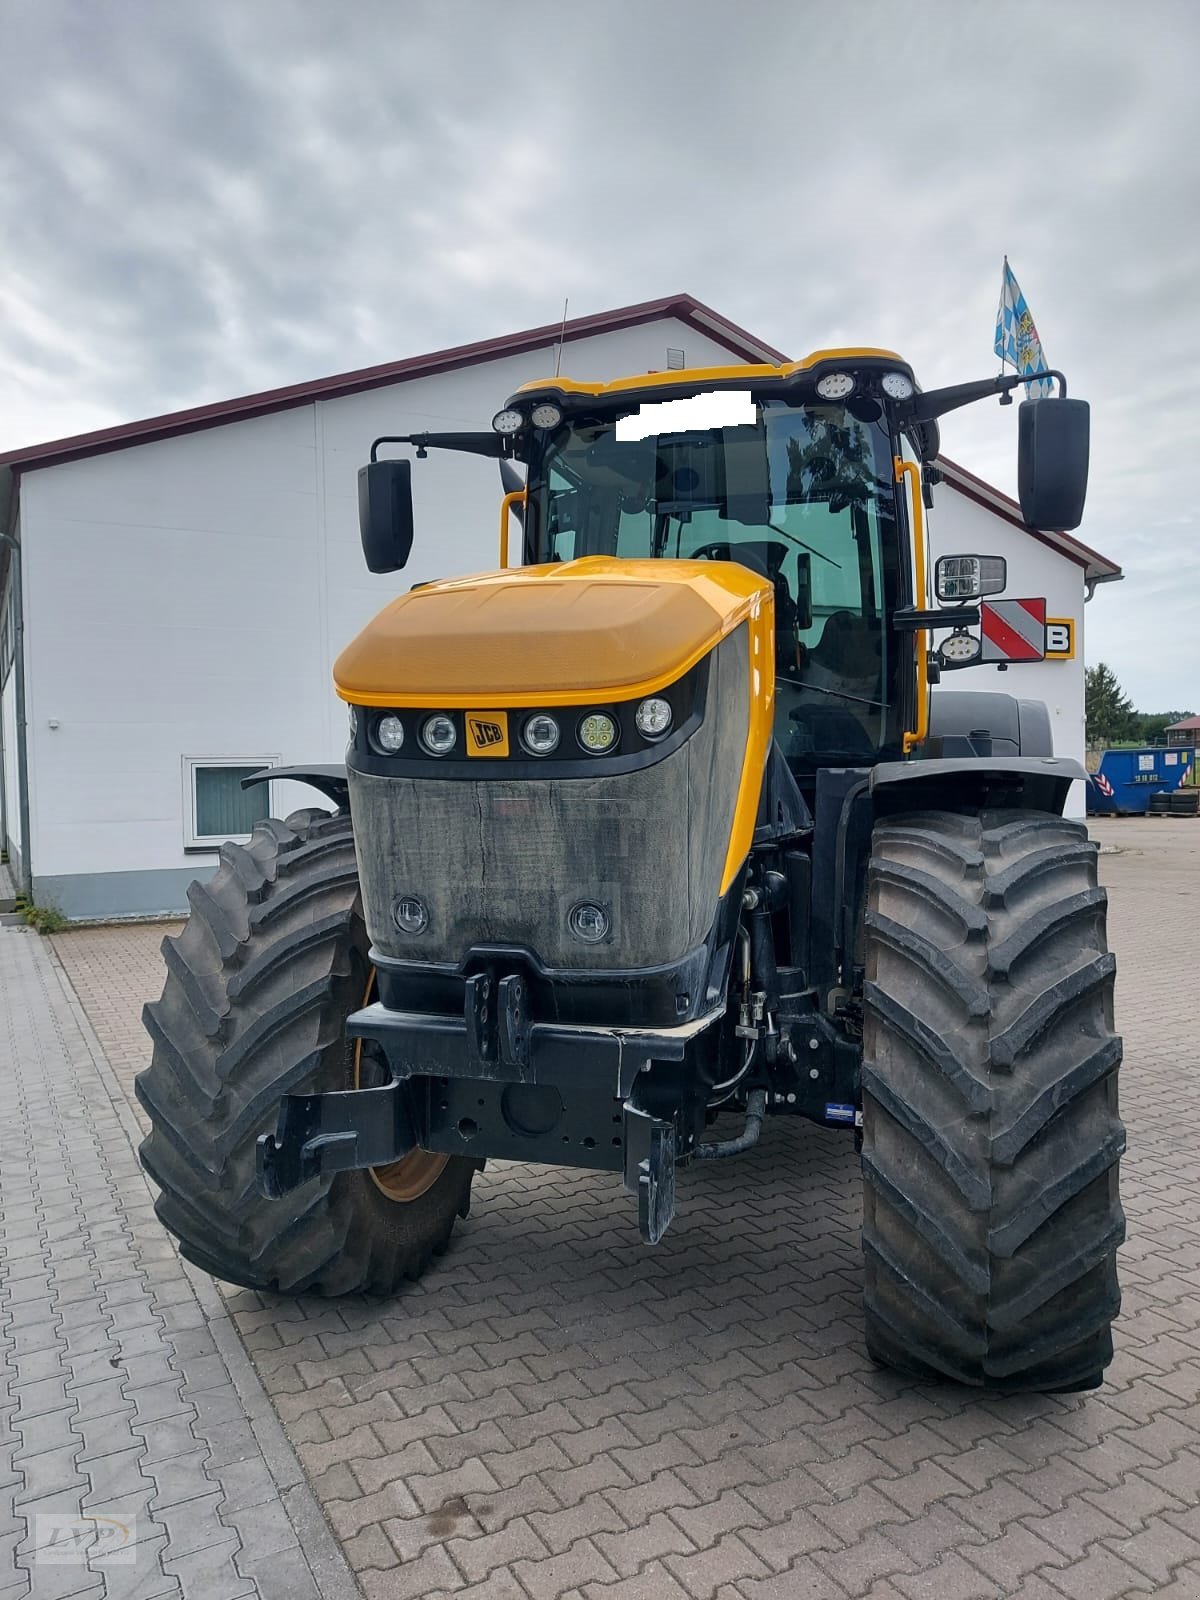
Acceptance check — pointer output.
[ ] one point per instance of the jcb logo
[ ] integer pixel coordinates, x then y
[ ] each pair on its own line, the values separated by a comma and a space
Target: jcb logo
488, 733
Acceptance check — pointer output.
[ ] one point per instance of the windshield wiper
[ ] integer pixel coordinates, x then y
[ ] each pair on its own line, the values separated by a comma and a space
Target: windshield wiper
812, 549
841, 694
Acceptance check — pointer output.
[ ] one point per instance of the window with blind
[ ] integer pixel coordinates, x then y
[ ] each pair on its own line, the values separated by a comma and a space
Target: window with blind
216, 807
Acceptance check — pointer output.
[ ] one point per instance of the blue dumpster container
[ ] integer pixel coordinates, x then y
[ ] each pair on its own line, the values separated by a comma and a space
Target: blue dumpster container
1127, 778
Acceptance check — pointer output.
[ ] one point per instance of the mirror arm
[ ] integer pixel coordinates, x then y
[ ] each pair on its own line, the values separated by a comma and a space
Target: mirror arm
908, 619
476, 444
936, 402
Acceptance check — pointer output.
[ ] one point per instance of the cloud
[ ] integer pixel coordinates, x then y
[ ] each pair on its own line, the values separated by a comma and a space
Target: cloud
199, 202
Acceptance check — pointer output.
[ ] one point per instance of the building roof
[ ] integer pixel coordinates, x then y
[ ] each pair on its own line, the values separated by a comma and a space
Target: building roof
683, 307
1188, 725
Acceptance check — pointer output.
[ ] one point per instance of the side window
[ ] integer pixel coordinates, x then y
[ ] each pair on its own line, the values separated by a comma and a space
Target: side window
908, 453
560, 529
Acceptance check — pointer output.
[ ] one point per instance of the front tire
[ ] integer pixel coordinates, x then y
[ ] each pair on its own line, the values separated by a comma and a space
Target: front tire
259, 984
991, 1214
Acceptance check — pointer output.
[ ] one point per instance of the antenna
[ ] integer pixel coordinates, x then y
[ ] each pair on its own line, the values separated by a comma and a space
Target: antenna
562, 333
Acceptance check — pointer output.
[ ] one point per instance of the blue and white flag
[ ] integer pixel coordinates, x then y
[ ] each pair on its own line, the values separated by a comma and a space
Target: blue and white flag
1017, 339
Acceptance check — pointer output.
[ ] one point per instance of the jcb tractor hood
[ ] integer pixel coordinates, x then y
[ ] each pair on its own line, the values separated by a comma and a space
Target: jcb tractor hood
597, 629
505, 790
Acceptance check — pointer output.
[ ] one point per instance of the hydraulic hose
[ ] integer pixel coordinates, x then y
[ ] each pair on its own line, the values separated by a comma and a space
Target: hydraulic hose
756, 1110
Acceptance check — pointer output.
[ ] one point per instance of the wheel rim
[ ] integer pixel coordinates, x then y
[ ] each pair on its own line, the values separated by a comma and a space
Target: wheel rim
413, 1175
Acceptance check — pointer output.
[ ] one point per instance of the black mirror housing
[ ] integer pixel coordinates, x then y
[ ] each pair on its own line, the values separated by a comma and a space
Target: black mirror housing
1052, 462
385, 514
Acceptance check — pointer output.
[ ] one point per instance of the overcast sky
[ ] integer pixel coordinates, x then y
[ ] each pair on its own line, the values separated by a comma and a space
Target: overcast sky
198, 201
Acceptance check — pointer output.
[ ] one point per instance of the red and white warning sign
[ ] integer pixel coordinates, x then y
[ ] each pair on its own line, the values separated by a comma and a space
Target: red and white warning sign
1013, 630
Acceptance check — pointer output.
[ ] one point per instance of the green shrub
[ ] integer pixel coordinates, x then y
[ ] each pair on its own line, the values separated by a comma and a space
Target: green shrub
46, 919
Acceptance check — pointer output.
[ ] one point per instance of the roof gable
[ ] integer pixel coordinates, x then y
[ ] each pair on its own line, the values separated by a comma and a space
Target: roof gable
682, 307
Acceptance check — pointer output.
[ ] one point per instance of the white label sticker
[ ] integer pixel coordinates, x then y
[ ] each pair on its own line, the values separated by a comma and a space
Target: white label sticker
1171, 759
1146, 763
719, 408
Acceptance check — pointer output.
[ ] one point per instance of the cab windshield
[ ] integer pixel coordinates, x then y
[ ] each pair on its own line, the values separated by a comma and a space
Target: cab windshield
802, 495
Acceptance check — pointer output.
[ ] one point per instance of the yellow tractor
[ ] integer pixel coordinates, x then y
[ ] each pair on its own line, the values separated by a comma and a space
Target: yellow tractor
654, 828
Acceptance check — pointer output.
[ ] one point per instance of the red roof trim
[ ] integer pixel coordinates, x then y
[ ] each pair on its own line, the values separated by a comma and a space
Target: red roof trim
1002, 505
681, 306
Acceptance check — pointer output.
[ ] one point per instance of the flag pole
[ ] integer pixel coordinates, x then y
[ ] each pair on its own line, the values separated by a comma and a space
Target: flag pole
1003, 285
1006, 398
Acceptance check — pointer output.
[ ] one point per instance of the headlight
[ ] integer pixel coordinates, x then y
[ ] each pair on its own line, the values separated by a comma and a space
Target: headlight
540, 734
439, 735
589, 922
410, 914
896, 386
546, 415
389, 735
510, 420
653, 717
835, 386
597, 732
959, 649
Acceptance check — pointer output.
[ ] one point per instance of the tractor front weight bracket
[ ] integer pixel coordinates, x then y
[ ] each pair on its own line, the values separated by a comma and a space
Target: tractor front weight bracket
495, 1082
651, 1148
337, 1132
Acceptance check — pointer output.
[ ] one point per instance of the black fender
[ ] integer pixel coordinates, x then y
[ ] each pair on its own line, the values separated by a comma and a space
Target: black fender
851, 800
1039, 783
329, 778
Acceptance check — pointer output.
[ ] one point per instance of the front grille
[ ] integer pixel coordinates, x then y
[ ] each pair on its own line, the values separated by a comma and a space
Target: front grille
502, 861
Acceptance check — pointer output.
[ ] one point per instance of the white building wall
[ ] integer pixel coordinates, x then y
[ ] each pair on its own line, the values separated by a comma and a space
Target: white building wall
959, 525
187, 597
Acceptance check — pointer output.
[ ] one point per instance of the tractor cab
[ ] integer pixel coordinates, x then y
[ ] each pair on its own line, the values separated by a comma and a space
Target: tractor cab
799, 489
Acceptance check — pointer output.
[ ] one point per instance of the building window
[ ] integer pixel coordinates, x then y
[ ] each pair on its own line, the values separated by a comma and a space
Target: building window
215, 806
675, 360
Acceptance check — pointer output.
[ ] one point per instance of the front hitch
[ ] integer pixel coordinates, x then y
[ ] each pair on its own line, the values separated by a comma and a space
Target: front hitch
337, 1132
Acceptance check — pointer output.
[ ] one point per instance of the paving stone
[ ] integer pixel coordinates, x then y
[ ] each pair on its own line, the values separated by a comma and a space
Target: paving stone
264, 1529
702, 1573
211, 1572
951, 1579
283, 1575
1100, 1574
548, 1579
246, 1482
90, 1354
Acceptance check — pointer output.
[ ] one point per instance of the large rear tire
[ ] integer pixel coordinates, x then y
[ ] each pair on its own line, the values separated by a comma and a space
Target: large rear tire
259, 985
991, 1214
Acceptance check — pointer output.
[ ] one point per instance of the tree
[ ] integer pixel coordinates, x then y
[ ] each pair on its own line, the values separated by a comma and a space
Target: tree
1152, 725
1110, 713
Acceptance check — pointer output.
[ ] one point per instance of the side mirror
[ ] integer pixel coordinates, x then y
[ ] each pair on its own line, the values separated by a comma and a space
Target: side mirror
1052, 462
385, 514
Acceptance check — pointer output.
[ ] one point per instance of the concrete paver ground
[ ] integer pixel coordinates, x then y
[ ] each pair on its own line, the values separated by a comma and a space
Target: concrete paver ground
125, 1393
557, 1412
